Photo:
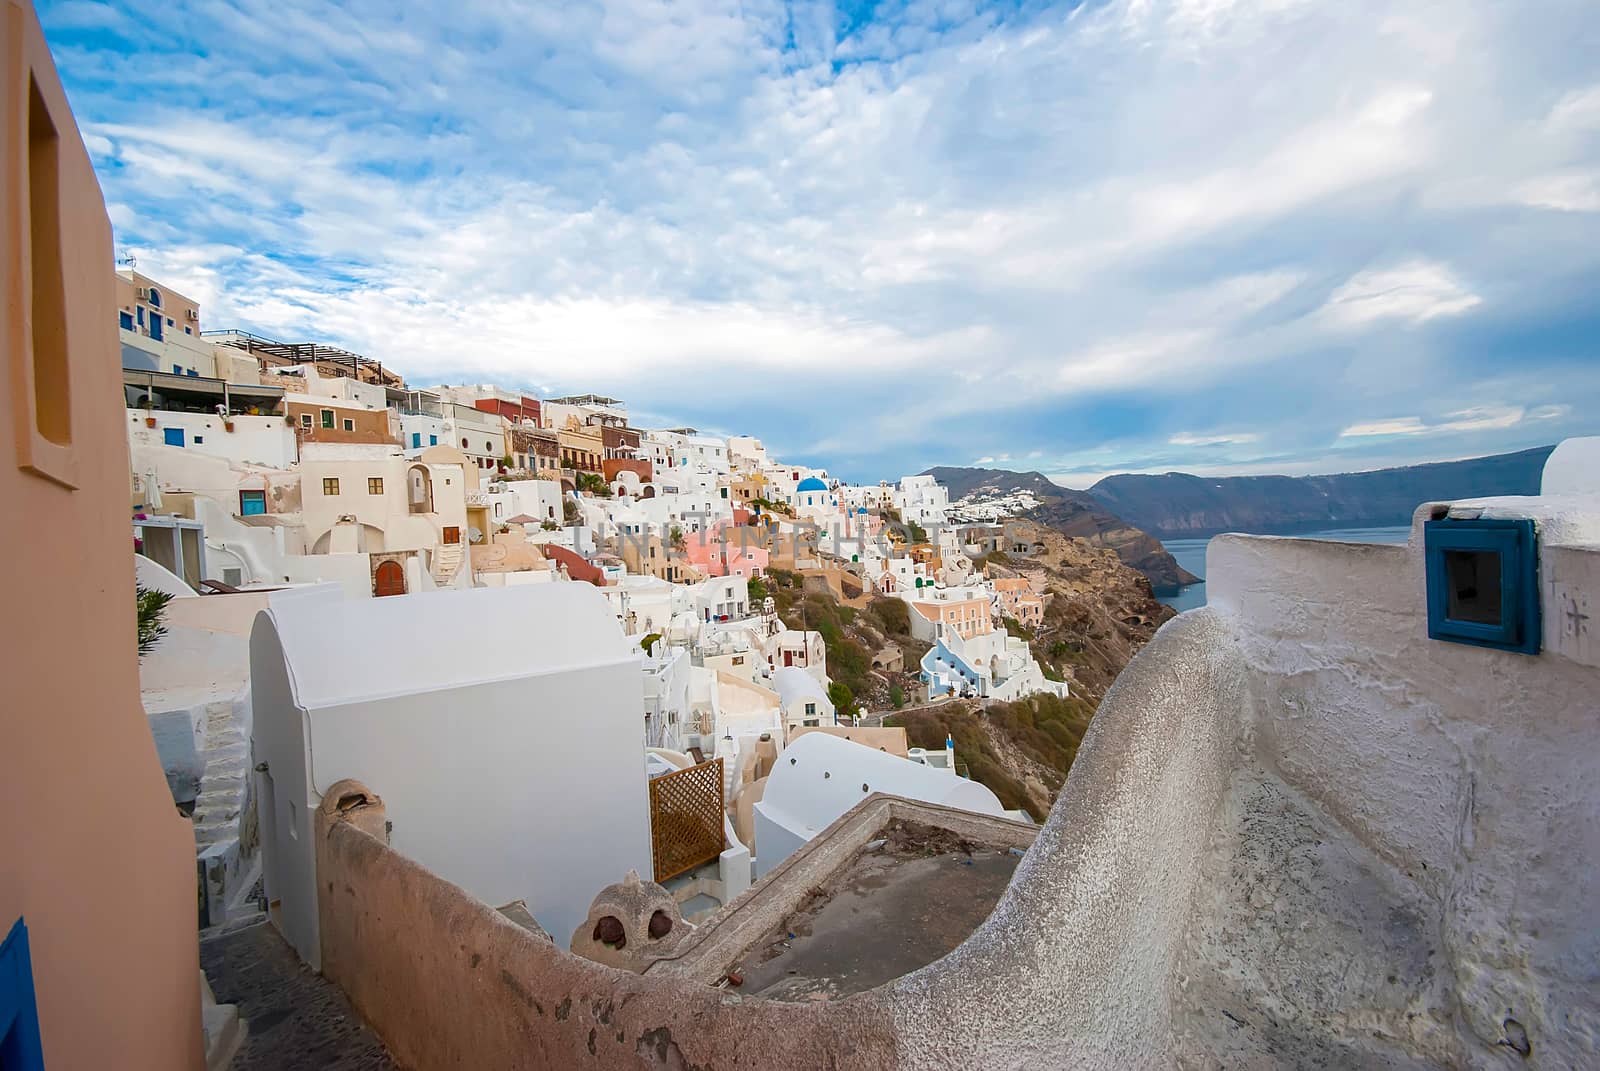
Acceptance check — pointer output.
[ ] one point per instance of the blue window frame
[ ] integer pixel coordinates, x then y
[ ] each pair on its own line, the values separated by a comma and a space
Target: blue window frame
20, 1048
1483, 583
433, 440
172, 436
252, 503
125, 320
416, 439
140, 312
155, 298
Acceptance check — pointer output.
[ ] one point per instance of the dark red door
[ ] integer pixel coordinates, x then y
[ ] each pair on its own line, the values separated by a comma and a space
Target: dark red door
389, 580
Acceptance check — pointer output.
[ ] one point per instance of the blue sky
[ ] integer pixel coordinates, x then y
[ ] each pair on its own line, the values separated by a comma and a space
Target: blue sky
1133, 235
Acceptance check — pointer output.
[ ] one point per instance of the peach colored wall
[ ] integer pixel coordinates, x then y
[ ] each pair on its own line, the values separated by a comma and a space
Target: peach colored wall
447, 981
93, 854
368, 426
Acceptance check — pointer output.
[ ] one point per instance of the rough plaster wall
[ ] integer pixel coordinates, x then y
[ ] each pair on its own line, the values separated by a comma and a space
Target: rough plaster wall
449, 982
1464, 776
1319, 841
1072, 968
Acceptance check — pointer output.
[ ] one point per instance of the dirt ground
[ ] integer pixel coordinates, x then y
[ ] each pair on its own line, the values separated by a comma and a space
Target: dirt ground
905, 900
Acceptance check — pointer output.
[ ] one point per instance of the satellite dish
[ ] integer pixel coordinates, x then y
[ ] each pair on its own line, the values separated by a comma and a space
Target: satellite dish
474, 536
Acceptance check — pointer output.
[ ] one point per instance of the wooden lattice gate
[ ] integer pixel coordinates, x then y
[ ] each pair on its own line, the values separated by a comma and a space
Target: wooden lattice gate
686, 818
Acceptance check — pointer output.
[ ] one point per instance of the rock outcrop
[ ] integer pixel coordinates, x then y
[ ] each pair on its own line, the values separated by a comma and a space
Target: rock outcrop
1075, 514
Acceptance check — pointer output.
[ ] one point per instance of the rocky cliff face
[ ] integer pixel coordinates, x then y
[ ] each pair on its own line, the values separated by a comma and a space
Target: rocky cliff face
1178, 504
1074, 514
1099, 612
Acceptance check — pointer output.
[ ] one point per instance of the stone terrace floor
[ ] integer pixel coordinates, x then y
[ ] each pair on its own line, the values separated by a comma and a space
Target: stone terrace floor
295, 1018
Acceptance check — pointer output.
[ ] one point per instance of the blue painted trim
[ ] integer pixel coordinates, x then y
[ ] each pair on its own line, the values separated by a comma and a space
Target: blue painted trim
20, 1047
1516, 542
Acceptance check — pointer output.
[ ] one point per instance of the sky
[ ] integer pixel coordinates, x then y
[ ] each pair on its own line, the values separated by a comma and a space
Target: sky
1215, 236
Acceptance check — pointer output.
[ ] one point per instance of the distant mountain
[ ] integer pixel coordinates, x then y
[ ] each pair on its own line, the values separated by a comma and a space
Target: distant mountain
1073, 514
1177, 504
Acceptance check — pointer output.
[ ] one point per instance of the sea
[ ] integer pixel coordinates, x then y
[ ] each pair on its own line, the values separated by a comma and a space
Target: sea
1191, 554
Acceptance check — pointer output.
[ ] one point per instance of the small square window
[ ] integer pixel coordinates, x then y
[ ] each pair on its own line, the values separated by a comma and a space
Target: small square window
1483, 583
374, 485
330, 485
199, 439
305, 420
349, 425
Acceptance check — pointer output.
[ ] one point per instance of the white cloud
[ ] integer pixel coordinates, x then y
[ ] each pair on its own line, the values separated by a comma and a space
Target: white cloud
1480, 418
1414, 292
1570, 192
1237, 438
967, 229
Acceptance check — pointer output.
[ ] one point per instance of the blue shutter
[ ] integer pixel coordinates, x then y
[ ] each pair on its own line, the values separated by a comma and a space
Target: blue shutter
172, 436
20, 1048
416, 439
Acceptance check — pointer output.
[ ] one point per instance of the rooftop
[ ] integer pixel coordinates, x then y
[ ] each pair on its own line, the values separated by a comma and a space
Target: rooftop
907, 898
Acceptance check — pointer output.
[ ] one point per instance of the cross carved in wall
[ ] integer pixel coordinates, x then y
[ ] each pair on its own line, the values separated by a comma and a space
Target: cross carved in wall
1577, 620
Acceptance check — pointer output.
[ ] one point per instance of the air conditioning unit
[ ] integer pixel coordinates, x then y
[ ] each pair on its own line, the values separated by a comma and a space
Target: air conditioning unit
143, 293
191, 314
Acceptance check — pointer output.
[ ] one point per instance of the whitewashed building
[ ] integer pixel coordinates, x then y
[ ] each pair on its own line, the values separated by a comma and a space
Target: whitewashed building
506, 743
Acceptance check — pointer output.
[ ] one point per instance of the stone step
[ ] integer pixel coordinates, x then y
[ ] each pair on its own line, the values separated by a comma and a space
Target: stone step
222, 778
217, 815
216, 832
225, 736
231, 796
239, 749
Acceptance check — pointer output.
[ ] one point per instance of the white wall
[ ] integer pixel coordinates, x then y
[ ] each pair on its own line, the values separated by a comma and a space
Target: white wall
804, 796
254, 440
528, 787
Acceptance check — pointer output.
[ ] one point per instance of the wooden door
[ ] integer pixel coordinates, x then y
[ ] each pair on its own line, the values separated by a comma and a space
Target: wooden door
390, 579
452, 534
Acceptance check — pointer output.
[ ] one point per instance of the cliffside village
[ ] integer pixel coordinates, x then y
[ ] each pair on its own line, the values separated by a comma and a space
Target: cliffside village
483, 745
308, 481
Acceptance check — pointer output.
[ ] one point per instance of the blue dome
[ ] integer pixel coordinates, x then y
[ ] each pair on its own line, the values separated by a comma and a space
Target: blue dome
811, 483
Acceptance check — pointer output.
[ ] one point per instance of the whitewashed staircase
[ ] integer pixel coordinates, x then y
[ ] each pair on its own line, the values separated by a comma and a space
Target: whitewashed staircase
226, 843
447, 560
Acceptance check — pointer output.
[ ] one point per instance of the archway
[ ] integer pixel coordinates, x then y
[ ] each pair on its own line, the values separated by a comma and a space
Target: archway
389, 579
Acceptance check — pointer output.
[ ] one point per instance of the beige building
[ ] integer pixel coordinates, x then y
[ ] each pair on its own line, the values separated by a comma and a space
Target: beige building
154, 310
936, 613
1020, 601
97, 892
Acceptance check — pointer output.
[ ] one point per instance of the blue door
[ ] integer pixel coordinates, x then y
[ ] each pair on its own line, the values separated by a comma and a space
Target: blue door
416, 439
155, 326
19, 1015
173, 436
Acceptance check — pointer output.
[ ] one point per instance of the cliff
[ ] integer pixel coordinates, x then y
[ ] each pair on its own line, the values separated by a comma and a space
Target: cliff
1074, 514
1099, 612
1179, 504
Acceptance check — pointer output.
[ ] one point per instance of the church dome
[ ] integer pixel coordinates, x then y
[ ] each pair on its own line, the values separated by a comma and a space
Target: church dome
811, 483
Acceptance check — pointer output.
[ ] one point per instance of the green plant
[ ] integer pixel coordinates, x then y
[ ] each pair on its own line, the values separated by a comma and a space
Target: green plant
894, 615
649, 641
840, 696
757, 590
897, 696
151, 606
1016, 628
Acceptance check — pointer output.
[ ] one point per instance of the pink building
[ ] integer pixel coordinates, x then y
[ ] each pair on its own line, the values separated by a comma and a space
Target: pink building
728, 550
